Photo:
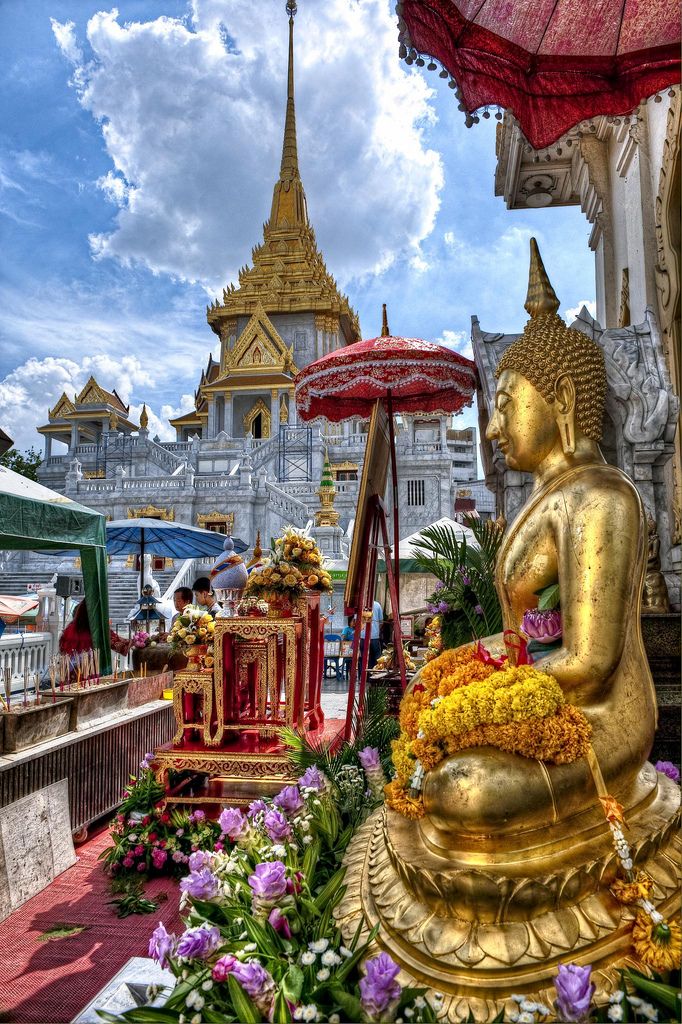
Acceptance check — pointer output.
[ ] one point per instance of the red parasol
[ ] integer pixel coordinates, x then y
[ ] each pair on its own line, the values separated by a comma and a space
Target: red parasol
552, 63
417, 376
411, 376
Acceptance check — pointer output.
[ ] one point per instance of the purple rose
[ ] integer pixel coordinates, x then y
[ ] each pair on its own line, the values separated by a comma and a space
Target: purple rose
574, 992
369, 758
256, 807
313, 778
198, 943
200, 885
257, 983
161, 945
232, 823
268, 881
542, 626
198, 860
276, 826
669, 769
379, 988
289, 799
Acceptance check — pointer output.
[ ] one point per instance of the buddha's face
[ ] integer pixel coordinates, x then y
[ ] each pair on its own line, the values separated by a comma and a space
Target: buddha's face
523, 423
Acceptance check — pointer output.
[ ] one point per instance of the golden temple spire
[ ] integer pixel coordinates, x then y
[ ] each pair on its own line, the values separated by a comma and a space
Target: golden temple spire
144, 418
288, 202
541, 299
385, 333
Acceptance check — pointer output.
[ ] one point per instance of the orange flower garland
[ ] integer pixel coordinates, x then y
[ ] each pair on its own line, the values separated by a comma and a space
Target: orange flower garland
557, 732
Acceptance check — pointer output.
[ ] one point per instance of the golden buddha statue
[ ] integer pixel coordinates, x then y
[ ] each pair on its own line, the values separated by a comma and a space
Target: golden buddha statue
508, 871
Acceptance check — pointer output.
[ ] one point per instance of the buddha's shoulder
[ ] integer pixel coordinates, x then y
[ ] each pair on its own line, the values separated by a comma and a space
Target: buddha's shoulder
600, 483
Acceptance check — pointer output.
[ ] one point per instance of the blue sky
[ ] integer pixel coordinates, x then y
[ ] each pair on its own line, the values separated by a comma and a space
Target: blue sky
137, 157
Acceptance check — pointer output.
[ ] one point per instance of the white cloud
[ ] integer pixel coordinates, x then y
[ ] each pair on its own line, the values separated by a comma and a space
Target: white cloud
571, 314
64, 33
115, 188
460, 341
192, 118
29, 390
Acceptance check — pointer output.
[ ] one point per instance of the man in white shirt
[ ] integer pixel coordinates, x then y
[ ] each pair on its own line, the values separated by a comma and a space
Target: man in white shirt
204, 596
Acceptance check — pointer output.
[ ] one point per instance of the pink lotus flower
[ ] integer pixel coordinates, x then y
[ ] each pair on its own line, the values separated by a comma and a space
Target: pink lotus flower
544, 627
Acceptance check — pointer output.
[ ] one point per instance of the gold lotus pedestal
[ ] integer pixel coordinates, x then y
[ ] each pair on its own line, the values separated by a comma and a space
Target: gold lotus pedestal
480, 920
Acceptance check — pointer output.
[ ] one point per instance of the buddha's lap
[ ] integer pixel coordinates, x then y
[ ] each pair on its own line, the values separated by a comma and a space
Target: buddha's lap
486, 790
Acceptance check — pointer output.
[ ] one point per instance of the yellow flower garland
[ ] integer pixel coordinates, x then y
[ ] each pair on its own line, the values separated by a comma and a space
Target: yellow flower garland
462, 702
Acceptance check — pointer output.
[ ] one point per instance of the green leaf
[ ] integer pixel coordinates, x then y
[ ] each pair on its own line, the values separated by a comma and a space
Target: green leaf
330, 889
548, 597
282, 1013
246, 1011
665, 995
267, 941
292, 983
149, 1015
350, 1004
499, 1019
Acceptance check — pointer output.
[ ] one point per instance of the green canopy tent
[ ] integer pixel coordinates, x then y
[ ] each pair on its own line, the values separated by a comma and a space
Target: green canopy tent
33, 516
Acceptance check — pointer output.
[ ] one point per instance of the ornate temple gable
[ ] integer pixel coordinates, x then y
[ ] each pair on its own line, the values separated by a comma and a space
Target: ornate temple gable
63, 407
93, 394
288, 273
259, 344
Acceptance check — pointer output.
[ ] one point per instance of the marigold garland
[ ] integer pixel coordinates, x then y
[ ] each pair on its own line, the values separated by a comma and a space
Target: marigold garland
510, 695
659, 946
461, 701
399, 799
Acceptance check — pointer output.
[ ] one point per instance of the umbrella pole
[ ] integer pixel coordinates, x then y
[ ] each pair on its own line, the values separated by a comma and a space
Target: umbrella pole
394, 483
141, 560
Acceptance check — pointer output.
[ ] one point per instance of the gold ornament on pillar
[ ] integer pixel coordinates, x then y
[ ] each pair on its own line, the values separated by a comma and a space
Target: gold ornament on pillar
144, 418
327, 514
507, 872
283, 410
113, 421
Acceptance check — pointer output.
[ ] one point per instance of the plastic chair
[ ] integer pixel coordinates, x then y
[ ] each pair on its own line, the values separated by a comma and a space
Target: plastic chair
332, 654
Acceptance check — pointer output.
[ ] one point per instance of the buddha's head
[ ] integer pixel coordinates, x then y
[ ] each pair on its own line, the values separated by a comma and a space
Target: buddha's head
551, 383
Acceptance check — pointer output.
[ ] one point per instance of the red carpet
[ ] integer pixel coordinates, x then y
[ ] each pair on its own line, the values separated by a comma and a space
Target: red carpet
49, 982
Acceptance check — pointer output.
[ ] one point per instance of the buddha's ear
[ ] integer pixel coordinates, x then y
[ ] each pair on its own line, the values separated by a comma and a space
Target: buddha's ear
564, 391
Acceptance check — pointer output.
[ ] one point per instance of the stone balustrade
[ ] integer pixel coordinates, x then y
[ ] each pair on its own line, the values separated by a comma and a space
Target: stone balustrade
19, 651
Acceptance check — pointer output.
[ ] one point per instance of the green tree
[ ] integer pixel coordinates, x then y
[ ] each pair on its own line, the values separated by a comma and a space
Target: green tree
25, 463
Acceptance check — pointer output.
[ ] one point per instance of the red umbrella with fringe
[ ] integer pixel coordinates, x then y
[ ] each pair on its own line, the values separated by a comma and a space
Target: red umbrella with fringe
551, 63
410, 375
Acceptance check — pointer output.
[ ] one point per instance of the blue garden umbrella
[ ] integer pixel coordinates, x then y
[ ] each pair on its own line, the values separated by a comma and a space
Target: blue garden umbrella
159, 537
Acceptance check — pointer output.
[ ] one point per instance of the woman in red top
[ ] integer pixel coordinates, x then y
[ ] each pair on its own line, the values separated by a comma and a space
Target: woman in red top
77, 636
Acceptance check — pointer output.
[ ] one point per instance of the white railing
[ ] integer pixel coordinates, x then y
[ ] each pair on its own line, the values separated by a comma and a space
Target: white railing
181, 579
340, 441
177, 446
216, 482
19, 651
295, 511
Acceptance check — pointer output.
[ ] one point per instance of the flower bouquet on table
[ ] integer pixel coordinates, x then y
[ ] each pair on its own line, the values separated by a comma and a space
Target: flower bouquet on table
294, 548
191, 635
279, 584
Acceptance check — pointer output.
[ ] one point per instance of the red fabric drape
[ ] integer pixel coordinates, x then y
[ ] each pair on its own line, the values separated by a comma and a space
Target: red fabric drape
552, 63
